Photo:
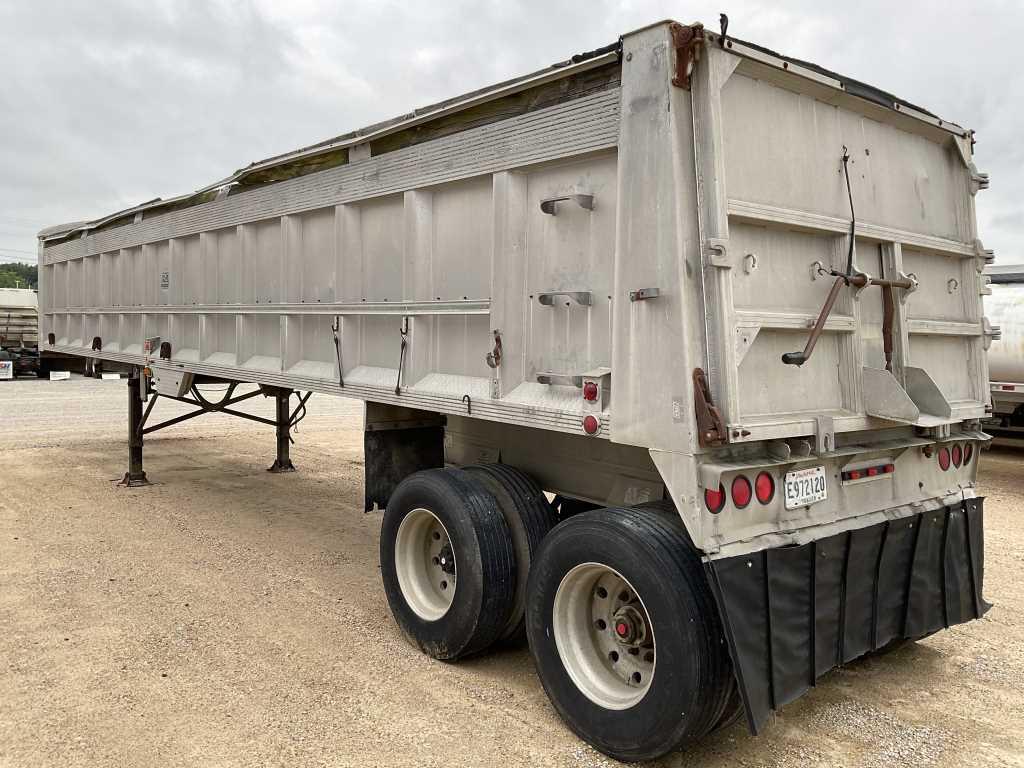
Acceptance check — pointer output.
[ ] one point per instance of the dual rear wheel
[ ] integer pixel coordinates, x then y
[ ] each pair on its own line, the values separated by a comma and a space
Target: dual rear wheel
456, 548
621, 622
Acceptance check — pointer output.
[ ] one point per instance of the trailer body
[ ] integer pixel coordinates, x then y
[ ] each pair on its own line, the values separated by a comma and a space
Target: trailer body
592, 274
19, 318
1005, 306
19, 332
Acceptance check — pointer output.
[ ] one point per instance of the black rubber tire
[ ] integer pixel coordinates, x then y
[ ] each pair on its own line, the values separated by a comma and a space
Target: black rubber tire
529, 517
483, 551
732, 706
692, 680
734, 711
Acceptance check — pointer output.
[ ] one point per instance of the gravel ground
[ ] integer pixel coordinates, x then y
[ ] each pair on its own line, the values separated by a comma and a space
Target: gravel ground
230, 617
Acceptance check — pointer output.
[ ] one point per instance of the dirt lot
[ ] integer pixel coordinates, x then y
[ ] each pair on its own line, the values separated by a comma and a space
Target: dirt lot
227, 616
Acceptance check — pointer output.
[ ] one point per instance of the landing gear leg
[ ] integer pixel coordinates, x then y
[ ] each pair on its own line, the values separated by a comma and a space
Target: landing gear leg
283, 462
135, 476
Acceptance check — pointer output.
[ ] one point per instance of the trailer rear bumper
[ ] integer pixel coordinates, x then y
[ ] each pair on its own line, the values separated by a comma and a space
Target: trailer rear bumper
792, 614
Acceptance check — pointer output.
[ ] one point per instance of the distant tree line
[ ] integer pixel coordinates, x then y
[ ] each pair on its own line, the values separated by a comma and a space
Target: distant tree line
16, 275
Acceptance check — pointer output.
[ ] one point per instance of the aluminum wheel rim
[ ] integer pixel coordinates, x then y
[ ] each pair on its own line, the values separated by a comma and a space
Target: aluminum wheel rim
425, 563
591, 604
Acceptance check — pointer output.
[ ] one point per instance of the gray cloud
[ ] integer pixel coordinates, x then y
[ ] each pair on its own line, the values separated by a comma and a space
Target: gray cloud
104, 105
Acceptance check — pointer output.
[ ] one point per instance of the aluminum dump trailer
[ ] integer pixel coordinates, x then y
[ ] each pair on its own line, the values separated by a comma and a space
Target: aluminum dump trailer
722, 305
1006, 355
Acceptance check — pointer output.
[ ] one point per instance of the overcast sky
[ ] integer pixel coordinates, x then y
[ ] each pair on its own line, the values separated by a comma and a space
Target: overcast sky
108, 103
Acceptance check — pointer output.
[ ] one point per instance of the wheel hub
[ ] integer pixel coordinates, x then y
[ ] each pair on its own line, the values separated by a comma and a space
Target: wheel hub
604, 636
446, 559
425, 564
630, 626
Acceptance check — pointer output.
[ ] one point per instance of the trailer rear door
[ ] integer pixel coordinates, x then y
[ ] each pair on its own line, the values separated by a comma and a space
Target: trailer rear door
776, 220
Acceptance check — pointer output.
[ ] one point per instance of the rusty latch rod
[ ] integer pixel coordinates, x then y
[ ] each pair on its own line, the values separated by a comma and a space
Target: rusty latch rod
860, 281
849, 278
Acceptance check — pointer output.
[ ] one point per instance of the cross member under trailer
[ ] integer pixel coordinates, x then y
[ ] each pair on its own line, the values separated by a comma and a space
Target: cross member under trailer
589, 282
139, 391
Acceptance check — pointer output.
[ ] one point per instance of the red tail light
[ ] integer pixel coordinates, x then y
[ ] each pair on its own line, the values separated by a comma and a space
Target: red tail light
958, 455
741, 492
715, 500
968, 454
866, 473
944, 458
591, 425
590, 391
764, 487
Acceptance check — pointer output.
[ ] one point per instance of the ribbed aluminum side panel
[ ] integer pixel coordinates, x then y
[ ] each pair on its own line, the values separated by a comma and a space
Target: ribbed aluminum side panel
582, 125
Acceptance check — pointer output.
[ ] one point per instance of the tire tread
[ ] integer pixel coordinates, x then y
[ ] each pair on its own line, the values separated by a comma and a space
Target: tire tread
661, 541
534, 517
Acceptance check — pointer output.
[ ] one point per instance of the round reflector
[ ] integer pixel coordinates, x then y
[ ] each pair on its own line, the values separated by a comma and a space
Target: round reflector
590, 391
944, 458
958, 455
968, 454
591, 425
764, 487
741, 491
715, 500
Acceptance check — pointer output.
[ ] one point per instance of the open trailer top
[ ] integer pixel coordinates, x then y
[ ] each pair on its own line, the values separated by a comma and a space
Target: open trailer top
725, 304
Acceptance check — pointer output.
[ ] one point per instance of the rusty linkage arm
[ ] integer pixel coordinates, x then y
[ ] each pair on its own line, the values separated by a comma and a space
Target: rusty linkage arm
799, 358
858, 281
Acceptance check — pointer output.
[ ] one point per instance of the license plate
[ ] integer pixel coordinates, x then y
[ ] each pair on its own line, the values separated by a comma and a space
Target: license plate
804, 487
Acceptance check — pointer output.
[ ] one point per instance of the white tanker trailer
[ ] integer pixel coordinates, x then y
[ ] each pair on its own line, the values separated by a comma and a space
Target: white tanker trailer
725, 301
1005, 309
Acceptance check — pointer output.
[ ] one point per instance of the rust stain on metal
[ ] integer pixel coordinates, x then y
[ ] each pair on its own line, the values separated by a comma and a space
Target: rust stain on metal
710, 427
686, 40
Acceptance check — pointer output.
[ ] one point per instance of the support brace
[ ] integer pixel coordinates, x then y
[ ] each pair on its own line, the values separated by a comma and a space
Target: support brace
137, 419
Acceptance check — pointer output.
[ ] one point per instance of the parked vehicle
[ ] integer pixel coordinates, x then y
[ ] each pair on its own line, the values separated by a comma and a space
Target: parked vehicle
1006, 355
19, 329
724, 303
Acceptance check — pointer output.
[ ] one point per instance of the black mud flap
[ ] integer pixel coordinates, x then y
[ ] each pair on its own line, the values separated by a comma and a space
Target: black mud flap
392, 455
792, 614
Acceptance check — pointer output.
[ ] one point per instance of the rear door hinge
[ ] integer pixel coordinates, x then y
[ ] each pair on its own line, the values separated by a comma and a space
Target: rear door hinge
710, 427
687, 41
